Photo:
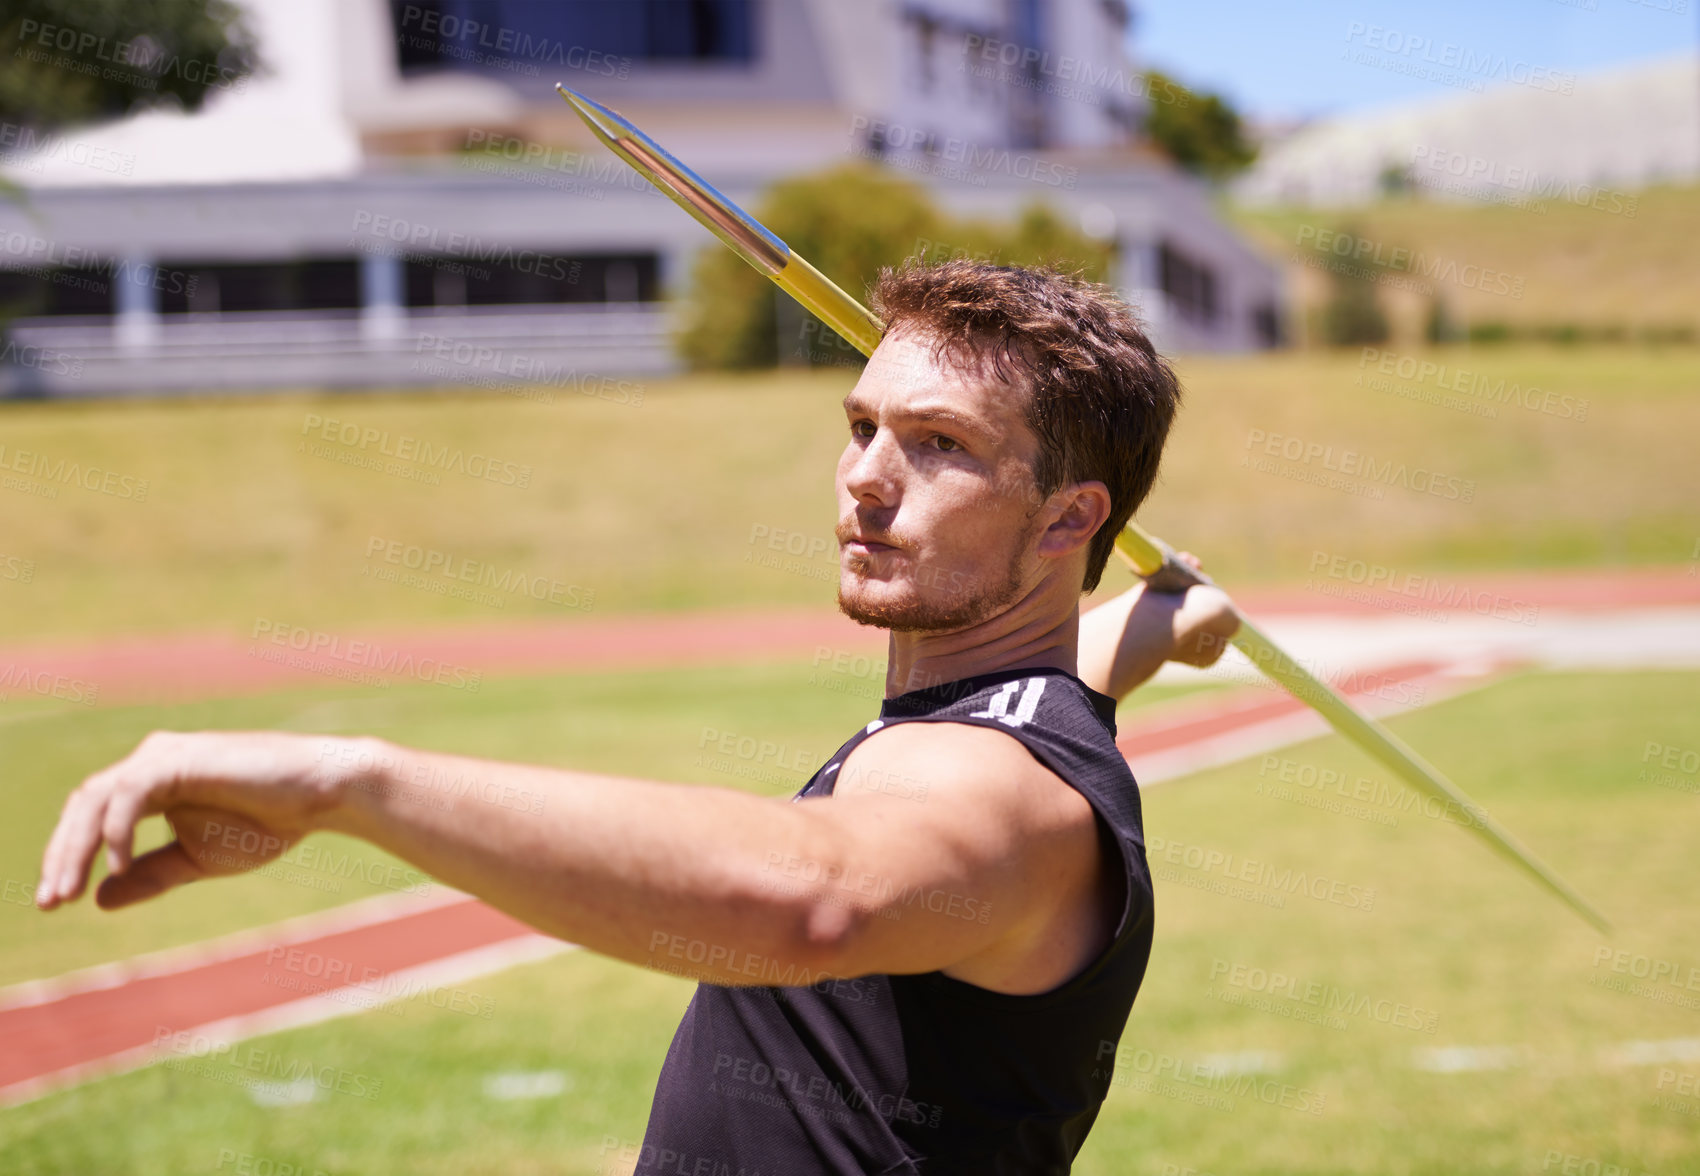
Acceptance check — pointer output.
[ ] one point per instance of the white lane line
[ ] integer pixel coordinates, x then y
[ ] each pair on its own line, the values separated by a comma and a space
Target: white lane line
1464, 1059
1651, 1053
1245, 1061
522, 1084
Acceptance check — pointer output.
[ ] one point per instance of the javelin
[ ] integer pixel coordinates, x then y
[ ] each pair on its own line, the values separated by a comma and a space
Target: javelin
1149, 556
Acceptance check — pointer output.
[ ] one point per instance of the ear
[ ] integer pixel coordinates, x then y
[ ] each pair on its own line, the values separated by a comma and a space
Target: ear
1084, 507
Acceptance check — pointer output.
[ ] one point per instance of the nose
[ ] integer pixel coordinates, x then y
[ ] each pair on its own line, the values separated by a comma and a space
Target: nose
873, 470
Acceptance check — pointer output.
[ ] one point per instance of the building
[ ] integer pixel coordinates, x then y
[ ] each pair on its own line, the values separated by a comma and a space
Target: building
401, 197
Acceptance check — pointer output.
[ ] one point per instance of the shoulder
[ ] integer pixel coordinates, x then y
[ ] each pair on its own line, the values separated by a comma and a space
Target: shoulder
948, 763
973, 801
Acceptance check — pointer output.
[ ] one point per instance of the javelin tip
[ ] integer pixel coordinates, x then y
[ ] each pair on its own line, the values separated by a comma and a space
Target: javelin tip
607, 125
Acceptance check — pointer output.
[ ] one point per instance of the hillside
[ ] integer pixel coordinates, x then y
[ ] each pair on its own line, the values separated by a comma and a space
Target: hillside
1630, 266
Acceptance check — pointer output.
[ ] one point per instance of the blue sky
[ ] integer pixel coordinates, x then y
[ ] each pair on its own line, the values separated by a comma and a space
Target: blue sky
1287, 58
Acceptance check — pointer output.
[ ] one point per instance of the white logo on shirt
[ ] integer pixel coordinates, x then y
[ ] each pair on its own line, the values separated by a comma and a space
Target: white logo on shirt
999, 707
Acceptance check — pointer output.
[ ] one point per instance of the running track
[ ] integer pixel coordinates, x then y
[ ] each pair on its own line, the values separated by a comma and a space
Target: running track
122, 1015
207, 666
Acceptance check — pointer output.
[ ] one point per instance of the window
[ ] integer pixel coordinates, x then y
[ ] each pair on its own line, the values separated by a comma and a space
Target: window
225, 288
926, 39
55, 292
518, 37
530, 276
1190, 285
505, 276
1266, 324
187, 287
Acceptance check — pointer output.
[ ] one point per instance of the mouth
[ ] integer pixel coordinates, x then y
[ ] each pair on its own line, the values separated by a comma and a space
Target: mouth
862, 546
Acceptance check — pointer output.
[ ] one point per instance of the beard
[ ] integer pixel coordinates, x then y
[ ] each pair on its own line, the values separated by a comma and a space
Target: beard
914, 611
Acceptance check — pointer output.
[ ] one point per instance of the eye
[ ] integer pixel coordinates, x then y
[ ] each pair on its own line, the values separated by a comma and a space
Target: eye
947, 444
857, 427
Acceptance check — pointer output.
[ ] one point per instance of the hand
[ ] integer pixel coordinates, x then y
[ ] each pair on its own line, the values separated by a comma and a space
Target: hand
1206, 622
235, 800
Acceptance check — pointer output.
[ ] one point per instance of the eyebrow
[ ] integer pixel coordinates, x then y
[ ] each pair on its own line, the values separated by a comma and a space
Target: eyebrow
926, 412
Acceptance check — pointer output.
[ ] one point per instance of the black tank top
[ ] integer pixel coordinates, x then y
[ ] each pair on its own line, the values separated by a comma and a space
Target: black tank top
920, 1074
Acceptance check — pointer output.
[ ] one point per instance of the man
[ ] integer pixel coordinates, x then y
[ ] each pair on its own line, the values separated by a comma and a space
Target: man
924, 963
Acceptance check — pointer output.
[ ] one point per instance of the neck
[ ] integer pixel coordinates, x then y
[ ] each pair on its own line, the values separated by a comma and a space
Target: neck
1036, 632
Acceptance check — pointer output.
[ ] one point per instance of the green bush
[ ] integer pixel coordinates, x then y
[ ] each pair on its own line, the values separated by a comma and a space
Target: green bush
1668, 333
1492, 331
1571, 333
849, 222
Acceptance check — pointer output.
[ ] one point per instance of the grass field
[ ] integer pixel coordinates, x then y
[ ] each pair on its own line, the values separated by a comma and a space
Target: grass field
1464, 944
248, 513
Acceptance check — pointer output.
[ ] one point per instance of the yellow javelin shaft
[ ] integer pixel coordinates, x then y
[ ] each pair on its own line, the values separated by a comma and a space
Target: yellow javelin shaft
1149, 556
1141, 549
741, 232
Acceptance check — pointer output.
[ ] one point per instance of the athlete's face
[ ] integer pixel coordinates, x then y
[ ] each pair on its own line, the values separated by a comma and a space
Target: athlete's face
939, 518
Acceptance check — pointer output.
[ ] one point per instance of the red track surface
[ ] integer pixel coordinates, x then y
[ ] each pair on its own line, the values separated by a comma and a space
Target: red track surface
104, 1017
200, 666
210, 665
1576, 591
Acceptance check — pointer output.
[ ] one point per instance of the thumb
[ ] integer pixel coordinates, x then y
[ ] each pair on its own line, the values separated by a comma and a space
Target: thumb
150, 875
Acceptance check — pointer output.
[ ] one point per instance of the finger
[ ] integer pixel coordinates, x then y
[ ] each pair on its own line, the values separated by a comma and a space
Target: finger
45, 890
82, 838
123, 811
150, 875
50, 894
1190, 560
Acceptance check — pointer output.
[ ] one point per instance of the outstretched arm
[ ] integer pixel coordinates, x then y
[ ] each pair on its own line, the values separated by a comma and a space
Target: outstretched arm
611, 863
1127, 639
709, 882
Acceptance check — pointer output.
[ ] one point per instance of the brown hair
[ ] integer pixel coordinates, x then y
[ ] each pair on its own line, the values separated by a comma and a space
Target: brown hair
1101, 400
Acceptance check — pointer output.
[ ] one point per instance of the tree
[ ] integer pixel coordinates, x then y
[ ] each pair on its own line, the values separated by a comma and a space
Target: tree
70, 61
1200, 132
849, 222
